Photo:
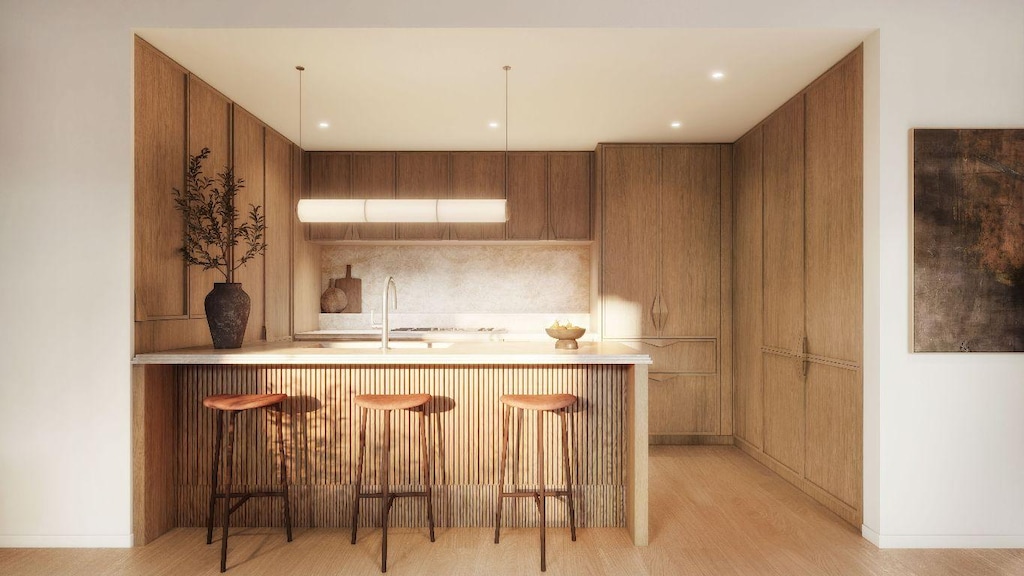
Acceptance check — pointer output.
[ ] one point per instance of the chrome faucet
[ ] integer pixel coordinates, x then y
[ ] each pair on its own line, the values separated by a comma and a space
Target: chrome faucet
384, 324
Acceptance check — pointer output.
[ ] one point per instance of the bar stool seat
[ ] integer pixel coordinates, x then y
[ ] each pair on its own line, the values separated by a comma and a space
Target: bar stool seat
231, 405
539, 403
388, 403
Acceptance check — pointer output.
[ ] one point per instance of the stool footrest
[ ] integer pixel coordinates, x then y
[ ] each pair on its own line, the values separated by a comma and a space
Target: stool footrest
392, 495
547, 493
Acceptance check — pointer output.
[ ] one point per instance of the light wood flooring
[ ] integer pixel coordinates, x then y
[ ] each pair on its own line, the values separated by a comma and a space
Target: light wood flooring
714, 511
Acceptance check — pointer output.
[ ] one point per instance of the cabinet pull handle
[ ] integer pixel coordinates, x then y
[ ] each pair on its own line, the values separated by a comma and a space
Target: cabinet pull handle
806, 360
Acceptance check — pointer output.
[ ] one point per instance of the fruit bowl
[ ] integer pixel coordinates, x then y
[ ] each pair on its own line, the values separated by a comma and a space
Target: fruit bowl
566, 336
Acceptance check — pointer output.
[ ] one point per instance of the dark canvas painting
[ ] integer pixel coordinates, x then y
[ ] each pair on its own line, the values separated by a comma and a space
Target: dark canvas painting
968, 240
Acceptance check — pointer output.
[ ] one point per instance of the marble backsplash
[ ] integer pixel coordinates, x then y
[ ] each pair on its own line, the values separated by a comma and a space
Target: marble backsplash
478, 279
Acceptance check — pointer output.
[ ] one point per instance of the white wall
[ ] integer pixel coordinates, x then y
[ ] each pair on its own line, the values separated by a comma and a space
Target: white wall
943, 438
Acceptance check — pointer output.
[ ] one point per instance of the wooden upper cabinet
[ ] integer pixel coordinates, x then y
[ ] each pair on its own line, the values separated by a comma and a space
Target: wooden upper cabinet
278, 206
834, 172
569, 195
422, 175
209, 126
630, 241
247, 150
527, 196
161, 281
690, 223
747, 308
373, 176
330, 176
478, 175
784, 227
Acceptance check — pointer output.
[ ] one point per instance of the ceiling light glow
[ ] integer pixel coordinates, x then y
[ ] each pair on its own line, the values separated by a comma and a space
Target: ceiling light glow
324, 125
492, 124
718, 75
676, 124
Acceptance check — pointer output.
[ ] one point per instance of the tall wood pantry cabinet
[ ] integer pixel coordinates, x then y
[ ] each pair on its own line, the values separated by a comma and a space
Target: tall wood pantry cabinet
664, 253
798, 289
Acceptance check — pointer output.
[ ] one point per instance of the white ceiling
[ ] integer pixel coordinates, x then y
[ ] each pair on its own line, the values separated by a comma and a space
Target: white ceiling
437, 89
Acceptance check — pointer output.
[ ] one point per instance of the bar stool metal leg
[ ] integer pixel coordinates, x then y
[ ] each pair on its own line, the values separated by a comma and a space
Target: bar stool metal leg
284, 469
501, 471
568, 475
227, 492
214, 476
541, 493
426, 469
385, 497
359, 472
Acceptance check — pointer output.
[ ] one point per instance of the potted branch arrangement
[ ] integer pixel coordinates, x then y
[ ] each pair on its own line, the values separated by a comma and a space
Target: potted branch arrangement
212, 233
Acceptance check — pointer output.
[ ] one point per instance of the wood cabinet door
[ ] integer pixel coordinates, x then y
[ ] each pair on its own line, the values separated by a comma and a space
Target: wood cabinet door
247, 149
784, 227
747, 317
690, 243
373, 176
330, 176
630, 240
569, 195
834, 422
478, 175
161, 276
683, 404
784, 410
278, 261
422, 175
527, 196
834, 212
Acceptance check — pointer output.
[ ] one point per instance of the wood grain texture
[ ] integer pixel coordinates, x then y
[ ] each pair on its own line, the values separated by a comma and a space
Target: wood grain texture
330, 176
690, 243
784, 415
570, 195
692, 356
305, 255
209, 126
834, 175
247, 148
278, 260
373, 176
423, 175
684, 404
630, 240
747, 299
834, 431
154, 452
464, 429
478, 175
784, 227
725, 387
635, 471
527, 196
159, 335
161, 284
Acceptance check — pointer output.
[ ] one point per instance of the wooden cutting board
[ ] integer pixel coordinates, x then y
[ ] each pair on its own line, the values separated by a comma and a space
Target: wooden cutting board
353, 288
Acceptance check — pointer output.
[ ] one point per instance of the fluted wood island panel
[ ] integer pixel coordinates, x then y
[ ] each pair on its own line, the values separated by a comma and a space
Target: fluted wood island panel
175, 434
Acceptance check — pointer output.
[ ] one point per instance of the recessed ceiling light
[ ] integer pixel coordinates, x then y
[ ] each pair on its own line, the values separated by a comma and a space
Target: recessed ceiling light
718, 75
325, 125
676, 124
492, 124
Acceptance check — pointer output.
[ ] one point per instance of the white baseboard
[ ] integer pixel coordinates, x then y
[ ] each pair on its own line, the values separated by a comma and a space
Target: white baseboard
65, 541
942, 540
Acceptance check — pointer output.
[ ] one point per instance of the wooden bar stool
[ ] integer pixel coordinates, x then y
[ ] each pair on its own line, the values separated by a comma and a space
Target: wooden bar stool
388, 403
556, 403
232, 404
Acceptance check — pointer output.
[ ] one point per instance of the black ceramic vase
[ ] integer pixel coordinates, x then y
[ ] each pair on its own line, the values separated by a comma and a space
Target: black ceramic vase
227, 313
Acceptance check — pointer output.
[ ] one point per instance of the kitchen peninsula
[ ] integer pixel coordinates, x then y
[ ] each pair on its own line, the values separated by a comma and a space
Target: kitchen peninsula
608, 432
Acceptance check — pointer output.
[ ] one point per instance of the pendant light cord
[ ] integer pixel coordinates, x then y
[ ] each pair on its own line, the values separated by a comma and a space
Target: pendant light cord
506, 68
300, 69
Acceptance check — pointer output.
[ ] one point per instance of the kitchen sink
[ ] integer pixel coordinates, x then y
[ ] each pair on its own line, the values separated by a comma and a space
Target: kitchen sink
375, 344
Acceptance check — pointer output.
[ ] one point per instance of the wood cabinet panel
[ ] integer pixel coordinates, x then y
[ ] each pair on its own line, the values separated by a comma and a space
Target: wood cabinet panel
248, 161
569, 195
330, 176
278, 202
683, 404
725, 342
784, 227
834, 422
478, 175
527, 196
690, 224
671, 355
161, 284
834, 212
209, 126
305, 255
373, 176
630, 258
422, 175
747, 303
784, 410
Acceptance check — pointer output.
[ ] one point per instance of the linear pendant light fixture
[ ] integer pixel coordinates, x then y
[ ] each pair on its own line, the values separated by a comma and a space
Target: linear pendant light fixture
468, 210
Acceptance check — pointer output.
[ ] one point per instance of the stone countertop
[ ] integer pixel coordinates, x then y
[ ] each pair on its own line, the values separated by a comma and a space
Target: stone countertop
404, 353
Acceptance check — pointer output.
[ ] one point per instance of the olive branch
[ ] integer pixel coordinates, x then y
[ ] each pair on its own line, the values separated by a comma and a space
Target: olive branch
211, 229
